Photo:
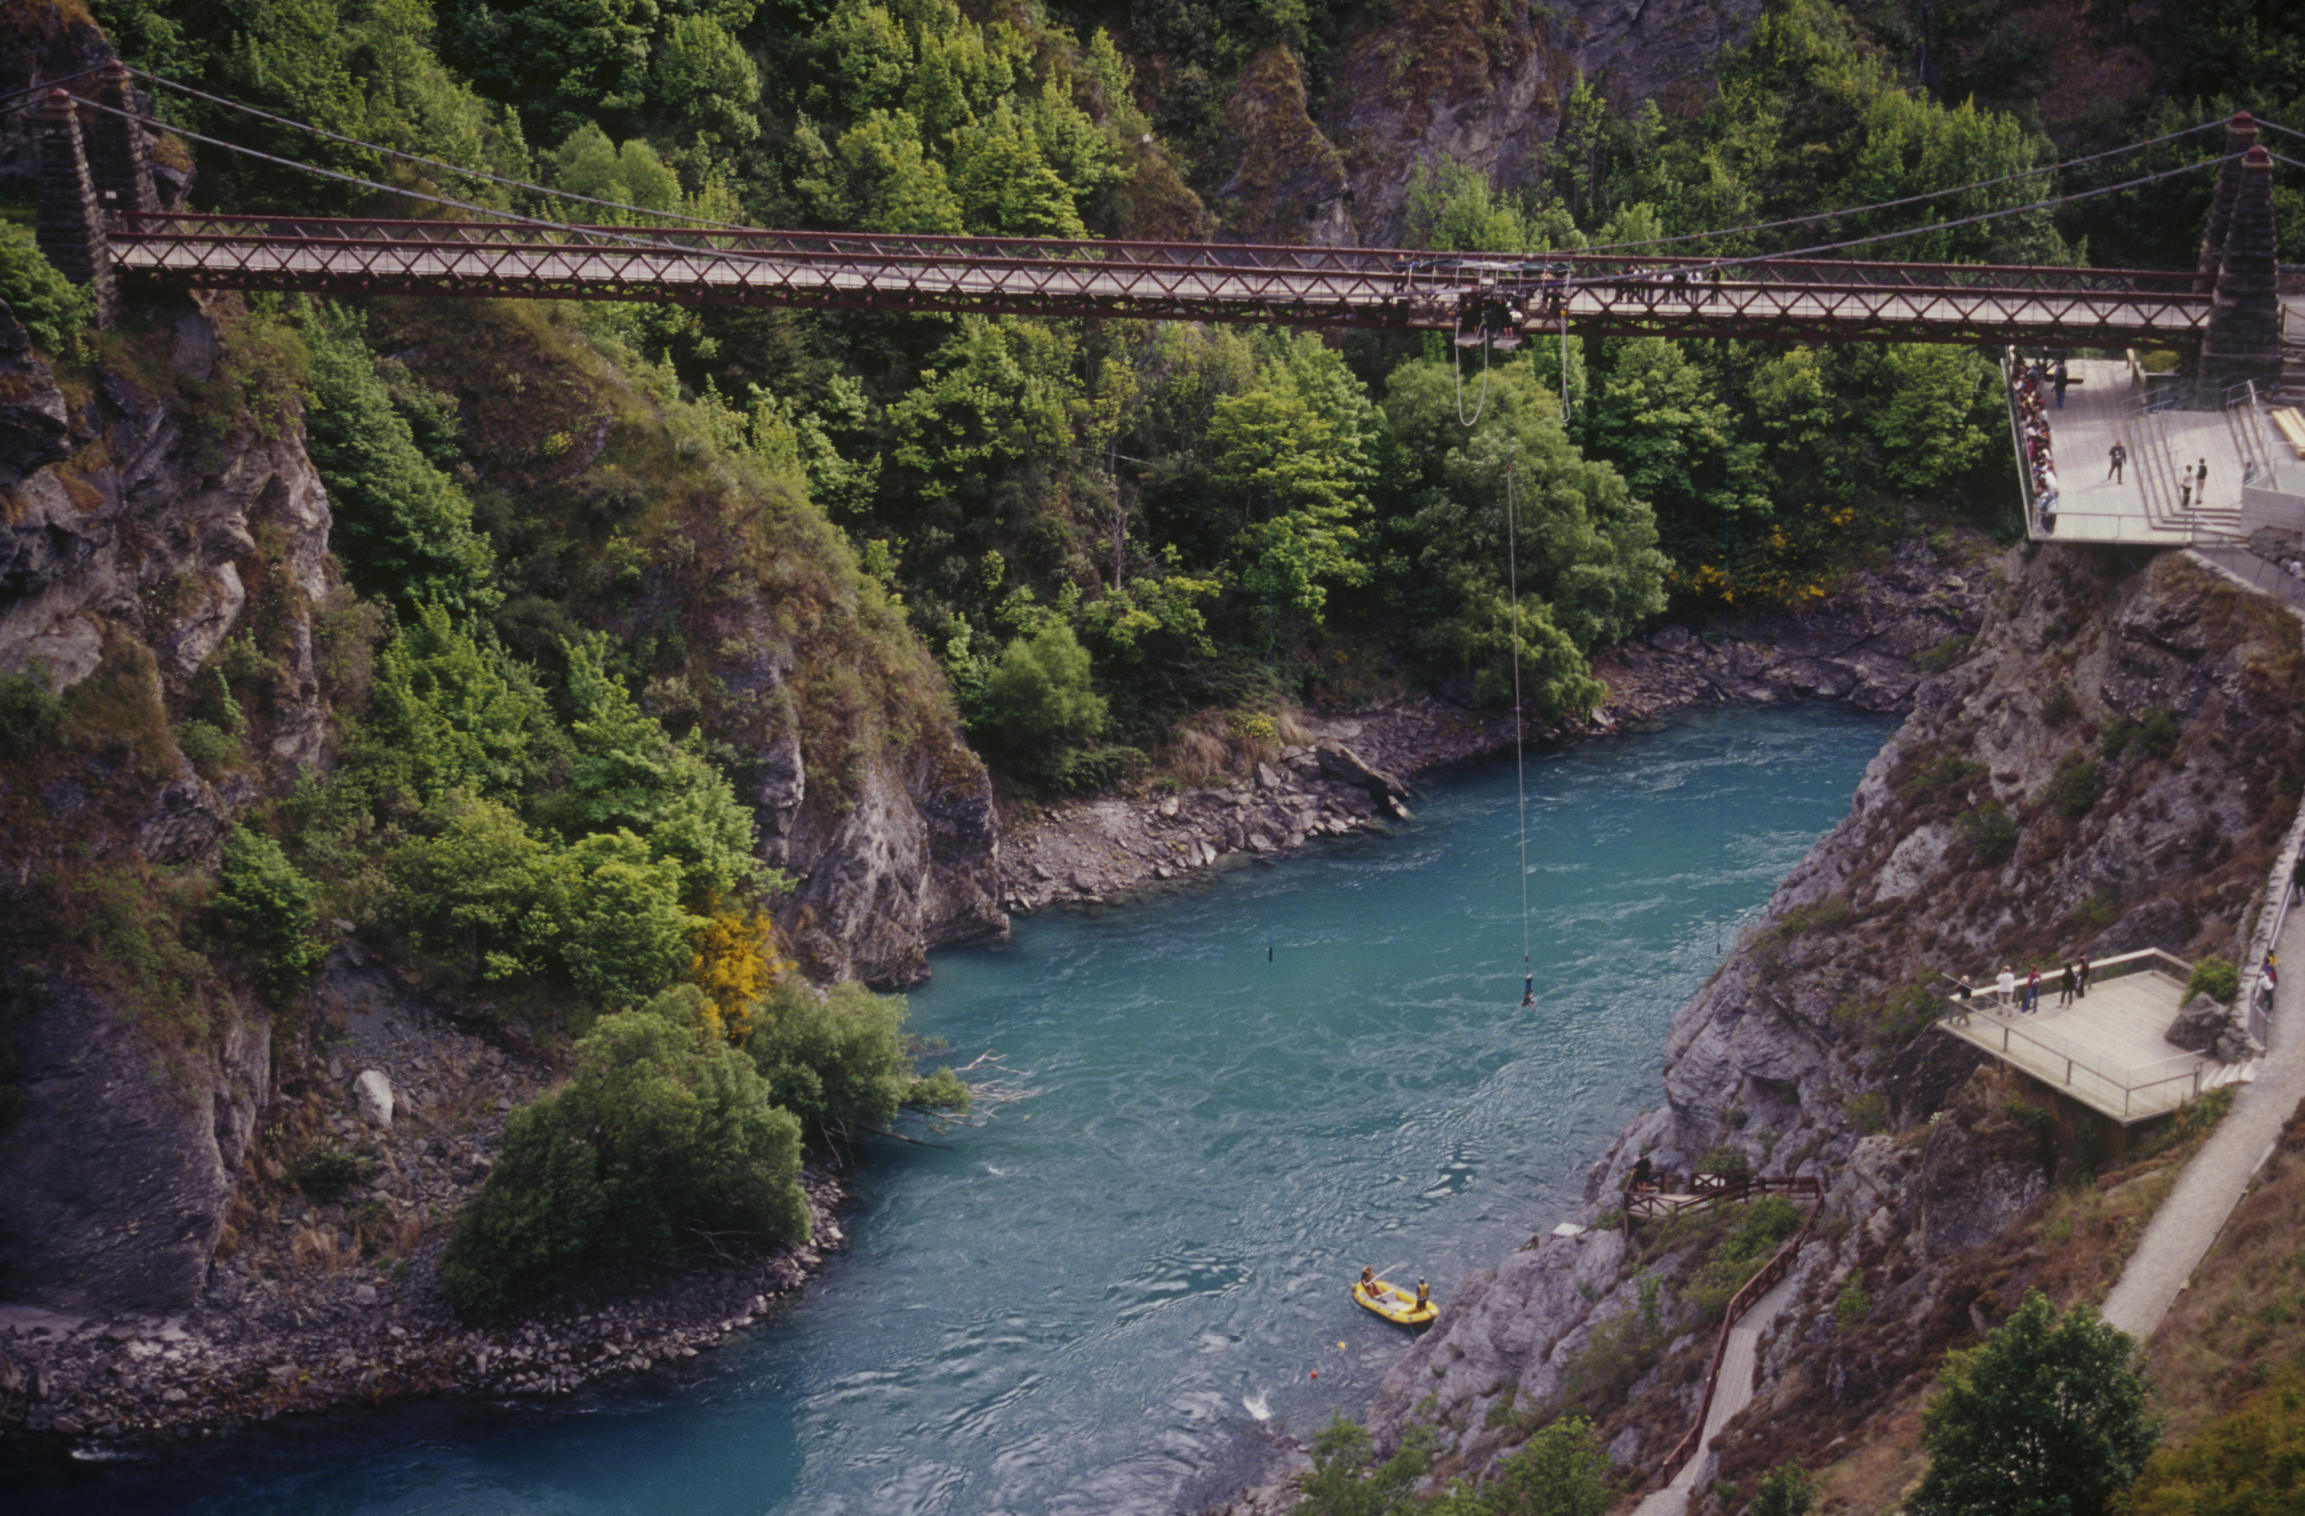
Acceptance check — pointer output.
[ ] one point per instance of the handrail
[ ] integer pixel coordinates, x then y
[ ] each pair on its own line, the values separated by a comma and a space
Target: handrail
1741, 1302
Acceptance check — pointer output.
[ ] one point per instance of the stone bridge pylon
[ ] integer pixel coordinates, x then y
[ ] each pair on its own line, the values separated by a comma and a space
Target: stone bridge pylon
89, 174
2238, 262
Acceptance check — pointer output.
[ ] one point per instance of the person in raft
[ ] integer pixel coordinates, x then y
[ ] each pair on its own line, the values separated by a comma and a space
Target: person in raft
1424, 1294
1529, 990
1368, 1281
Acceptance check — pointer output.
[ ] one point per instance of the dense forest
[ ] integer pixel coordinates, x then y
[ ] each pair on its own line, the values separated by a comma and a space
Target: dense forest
1113, 550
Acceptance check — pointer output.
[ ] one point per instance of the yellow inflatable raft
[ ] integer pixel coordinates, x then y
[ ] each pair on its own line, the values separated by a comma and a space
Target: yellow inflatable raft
1395, 1304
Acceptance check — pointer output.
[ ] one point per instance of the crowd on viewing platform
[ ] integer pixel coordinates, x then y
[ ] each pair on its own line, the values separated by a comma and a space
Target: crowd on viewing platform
2034, 383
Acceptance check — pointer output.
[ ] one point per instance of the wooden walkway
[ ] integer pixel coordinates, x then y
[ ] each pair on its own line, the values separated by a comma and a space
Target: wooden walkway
1729, 1377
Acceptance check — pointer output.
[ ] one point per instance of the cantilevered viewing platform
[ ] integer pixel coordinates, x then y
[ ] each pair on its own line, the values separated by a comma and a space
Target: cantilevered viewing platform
2106, 1048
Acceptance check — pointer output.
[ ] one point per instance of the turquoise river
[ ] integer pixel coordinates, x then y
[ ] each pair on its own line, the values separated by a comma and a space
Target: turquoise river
1101, 1296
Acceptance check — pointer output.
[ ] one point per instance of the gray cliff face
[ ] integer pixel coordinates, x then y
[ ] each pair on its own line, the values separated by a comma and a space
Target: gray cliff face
138, 534
115, 1177
2174, 852
911, 864
1484, 84
130, 541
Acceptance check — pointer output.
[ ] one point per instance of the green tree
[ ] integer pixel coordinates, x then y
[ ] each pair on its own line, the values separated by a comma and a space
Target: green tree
625, 934
1040, 700
450, 713
2046, 1417
401, 527
664, 1137
630, 173
1583, 548
1929, 410
1561, 1471
54, 310
1786, 1490
1298, 451
1660, 422
487, 891
837, 1058
1346, 1479
260, 891
628, 773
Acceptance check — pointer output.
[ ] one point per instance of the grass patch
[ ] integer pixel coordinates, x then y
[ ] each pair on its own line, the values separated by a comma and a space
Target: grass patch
1947, 774
1937, 659
1989, 832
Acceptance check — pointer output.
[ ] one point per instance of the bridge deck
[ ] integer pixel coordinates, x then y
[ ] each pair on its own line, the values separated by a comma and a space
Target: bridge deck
1593, 294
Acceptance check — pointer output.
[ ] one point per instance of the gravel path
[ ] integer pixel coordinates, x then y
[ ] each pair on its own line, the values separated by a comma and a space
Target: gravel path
2188, 1221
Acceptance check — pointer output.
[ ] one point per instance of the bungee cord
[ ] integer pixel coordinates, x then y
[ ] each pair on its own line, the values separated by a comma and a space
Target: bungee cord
1520, 762
1457, 351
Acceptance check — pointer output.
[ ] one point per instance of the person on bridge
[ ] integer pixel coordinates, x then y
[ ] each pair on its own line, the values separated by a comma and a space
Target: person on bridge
2119, 455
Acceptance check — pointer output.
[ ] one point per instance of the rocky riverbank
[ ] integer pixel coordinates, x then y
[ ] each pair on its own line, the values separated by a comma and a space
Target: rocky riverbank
324, 1291
1870, 643
391, 1104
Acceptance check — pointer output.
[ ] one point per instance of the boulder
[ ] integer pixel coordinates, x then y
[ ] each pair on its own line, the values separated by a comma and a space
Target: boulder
374, 1092
2199, 1025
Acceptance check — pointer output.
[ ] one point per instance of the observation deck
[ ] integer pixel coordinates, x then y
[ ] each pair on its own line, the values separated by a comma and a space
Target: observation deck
2105, 1049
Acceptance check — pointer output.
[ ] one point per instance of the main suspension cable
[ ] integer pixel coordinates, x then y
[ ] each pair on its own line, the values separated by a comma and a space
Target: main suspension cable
437, 163
1884, 205
603, 234
1702, 266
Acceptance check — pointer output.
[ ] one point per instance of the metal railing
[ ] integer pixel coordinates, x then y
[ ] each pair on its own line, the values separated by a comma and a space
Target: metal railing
2034, 525
2088, 1071
1596, 294
1757, 1286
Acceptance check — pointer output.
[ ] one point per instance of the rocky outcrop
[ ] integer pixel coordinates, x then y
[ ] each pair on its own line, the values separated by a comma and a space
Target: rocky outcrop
121, 1212
908, 866
1484, 83
2204, 1026
2073, 656
1095, 850
324, 1289
134, 540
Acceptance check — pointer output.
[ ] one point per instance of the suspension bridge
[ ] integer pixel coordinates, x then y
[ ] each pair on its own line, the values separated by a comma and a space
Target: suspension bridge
102, 222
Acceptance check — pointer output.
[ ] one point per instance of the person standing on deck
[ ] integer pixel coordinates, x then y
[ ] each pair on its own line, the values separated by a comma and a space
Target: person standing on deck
2081, 986
2201, 483
2064, 377
2119, 455
2033, 993
2065, 988
2007, 986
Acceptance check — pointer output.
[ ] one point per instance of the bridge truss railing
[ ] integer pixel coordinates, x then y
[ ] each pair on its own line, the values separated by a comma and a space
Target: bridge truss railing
1598, 294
